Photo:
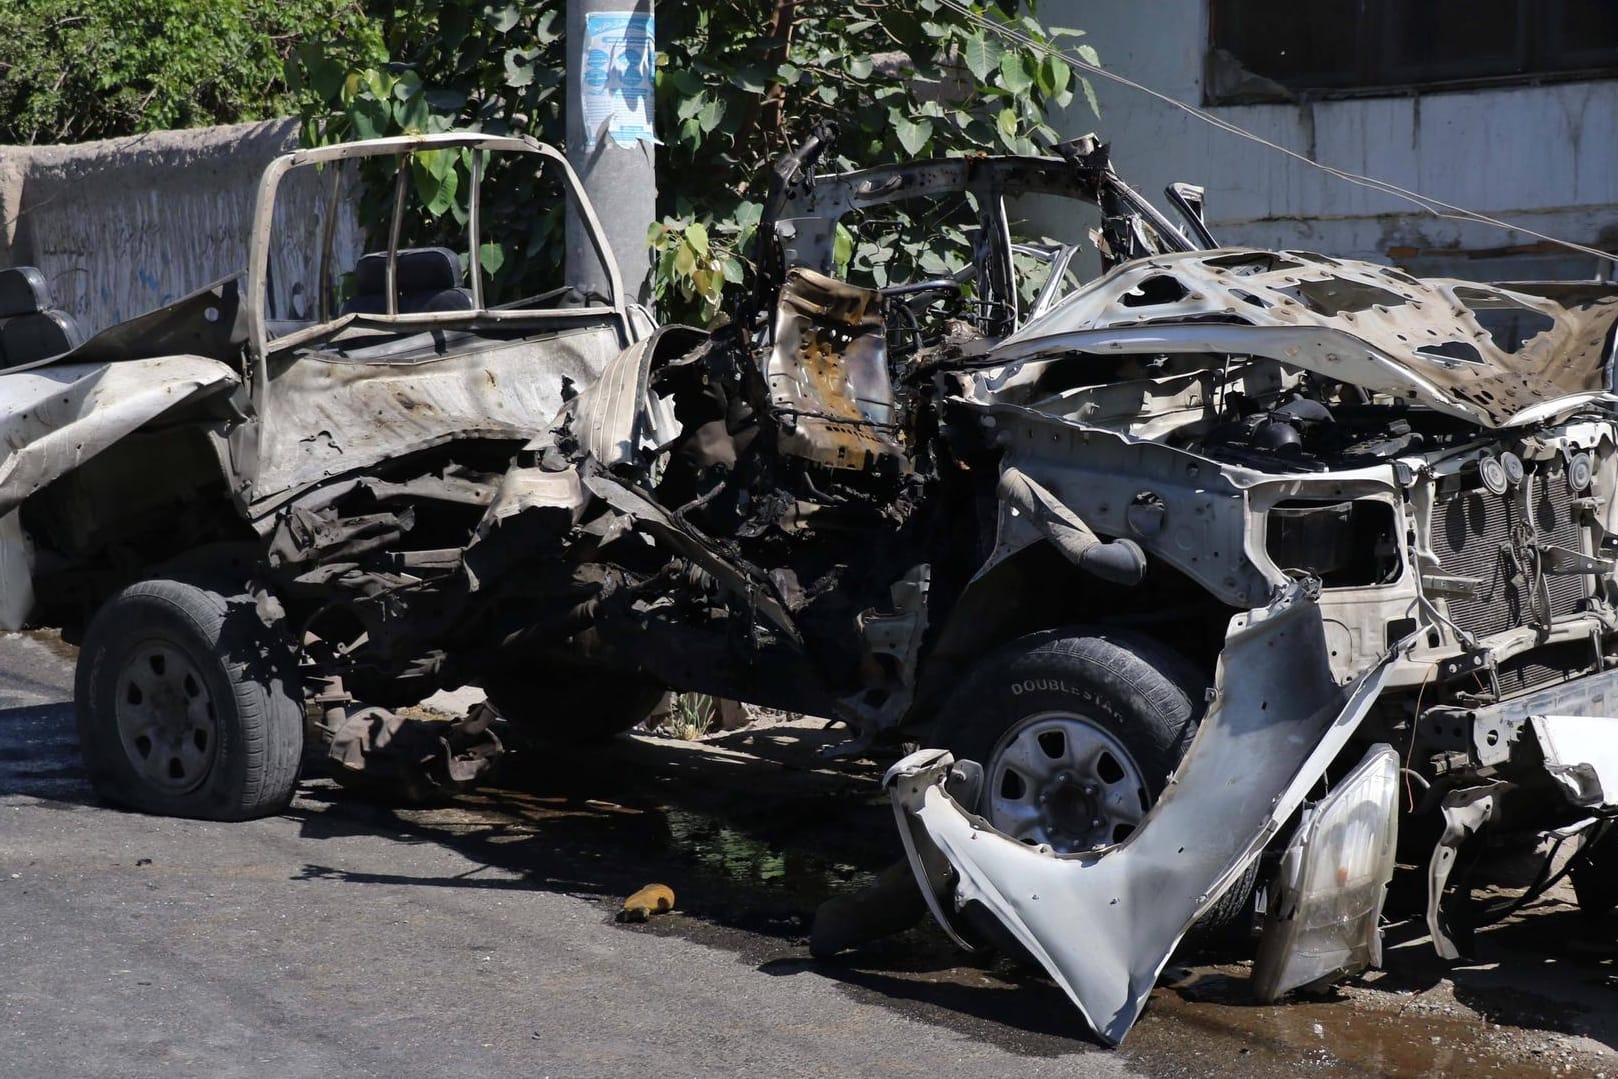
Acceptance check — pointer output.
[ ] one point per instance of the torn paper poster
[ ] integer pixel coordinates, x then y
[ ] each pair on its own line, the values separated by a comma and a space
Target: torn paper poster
619, 58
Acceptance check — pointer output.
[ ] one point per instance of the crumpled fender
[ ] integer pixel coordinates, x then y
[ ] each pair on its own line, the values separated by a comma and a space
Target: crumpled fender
1103, 924
55, 418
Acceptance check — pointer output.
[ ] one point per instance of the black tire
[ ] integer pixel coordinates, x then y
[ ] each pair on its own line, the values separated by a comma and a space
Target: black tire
1138, 692
571, 705
1595, 875
181, 658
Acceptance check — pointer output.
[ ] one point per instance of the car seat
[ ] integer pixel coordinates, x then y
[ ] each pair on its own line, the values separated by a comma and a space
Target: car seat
30, 327
428, 279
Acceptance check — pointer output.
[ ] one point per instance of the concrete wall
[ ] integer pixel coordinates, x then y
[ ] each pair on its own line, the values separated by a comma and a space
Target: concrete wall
124, 226
1544, 156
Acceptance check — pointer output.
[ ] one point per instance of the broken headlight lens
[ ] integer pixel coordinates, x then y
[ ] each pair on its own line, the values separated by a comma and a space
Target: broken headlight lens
1326, 899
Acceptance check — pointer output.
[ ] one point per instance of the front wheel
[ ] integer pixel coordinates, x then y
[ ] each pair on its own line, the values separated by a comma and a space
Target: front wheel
1077, 733
188, 705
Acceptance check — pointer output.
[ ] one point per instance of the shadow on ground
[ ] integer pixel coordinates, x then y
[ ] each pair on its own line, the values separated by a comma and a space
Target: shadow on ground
753, 831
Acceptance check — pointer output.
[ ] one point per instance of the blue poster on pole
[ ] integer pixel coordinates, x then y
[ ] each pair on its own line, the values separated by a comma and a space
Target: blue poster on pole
620, 55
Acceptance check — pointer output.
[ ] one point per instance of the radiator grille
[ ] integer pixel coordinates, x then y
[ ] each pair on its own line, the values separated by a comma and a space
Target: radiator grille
1544, 666
1472, 538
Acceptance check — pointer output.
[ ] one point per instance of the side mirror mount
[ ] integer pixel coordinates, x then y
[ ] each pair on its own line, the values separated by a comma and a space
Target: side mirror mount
1188, 199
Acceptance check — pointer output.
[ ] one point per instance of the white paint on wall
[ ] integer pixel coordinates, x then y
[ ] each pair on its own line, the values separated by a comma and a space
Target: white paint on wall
1541, 156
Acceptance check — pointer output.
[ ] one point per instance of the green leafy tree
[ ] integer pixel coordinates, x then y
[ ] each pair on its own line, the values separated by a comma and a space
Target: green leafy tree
901, 80
443, 64
738, 83
72, 70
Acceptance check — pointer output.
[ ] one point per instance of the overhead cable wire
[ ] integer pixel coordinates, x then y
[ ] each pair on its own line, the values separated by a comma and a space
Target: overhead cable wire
1436, 207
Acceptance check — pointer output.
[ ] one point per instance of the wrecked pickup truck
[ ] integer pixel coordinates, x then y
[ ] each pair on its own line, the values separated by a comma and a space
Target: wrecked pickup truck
1212, 573
248, 512
1203, 568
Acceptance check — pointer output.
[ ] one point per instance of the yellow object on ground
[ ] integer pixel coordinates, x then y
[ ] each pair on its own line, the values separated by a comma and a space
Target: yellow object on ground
650, 900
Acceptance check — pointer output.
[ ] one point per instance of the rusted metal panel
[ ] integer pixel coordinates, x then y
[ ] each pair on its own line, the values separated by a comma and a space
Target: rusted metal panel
328, 414
1489, 354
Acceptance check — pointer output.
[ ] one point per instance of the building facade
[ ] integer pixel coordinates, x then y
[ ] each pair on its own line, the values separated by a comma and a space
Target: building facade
1506, 107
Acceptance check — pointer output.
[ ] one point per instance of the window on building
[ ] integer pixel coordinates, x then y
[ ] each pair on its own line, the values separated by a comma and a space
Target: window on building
1278, 50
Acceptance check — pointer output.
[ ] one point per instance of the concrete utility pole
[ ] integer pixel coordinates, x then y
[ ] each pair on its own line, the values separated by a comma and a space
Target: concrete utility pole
611, 57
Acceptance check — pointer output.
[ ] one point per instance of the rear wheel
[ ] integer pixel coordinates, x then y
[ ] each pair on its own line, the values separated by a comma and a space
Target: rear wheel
188, 705
1077, 733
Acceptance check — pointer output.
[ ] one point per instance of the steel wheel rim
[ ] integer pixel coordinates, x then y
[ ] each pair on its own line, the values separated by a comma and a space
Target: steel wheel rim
166, 717
1062, 780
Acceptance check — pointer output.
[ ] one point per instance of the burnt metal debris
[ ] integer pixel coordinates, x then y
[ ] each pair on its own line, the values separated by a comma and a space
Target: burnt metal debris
1036, 514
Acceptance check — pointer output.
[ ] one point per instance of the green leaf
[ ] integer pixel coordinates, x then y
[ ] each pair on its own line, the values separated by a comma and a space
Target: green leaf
712, 112
981, 54
446, 100
750, 78
842, 250
437, 192
1088, 54
697, 236
685, 260
370, 116
408, 85
436, 163
1014, 73
1006, 122
689, 106
1090, 96
325, 76
913, 135
502, 16
411, 115
519, 64
491, 256
545, 30
860, 67
1057, 74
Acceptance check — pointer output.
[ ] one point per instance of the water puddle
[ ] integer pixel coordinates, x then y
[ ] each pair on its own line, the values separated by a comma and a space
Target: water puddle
719, 849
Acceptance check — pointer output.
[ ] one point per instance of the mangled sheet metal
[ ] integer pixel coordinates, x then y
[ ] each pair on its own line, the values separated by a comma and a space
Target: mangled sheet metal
828, 374
1103, 924
348, 406
58, 417
1493, 355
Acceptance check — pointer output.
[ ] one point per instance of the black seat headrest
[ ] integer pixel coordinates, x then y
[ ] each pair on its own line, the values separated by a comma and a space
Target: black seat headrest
23, 291
412, 303
420, 269
39, 336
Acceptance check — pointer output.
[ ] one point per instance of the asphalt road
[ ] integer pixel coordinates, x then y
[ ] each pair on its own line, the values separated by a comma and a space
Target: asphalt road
350, 938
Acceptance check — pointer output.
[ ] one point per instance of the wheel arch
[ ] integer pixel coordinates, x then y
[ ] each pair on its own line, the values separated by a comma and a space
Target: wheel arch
1038, 591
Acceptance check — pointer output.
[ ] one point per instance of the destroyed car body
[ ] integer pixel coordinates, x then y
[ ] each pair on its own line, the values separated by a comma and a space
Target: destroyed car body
1041, 522
1202, 568
245, 515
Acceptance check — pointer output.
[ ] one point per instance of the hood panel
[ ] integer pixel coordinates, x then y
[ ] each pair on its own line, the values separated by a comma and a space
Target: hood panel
1492, 354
